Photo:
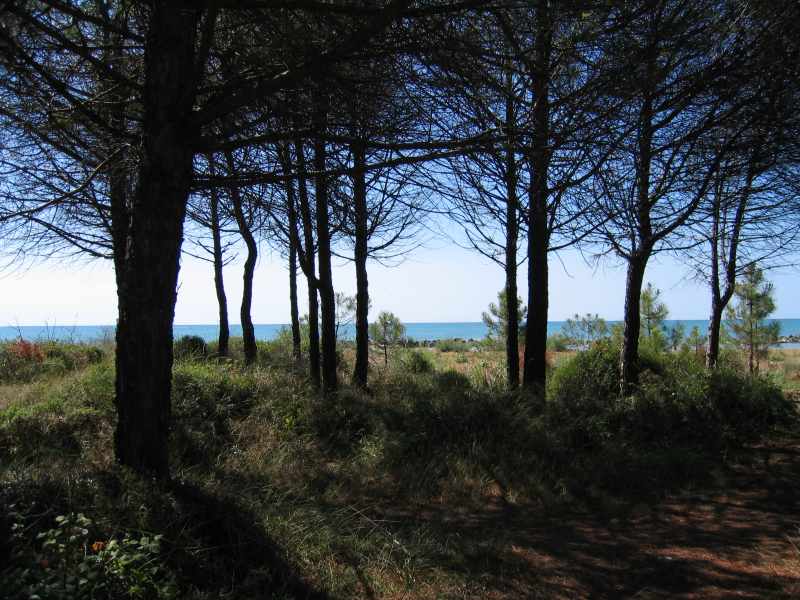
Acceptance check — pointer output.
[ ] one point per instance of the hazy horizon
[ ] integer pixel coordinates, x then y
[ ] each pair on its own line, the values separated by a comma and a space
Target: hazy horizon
444, 284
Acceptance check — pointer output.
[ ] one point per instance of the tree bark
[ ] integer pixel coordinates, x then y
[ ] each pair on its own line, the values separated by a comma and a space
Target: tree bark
219, 283
309, 268
637, 260
326, 292
248, 331
293, 305
721, 295
512, 233
535, 372
361, 370
149, 261
629, 360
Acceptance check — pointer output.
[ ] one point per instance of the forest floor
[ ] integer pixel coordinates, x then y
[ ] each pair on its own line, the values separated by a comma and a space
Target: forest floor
738, 537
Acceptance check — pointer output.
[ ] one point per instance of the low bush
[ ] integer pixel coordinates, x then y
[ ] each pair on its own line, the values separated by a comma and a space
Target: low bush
452, 345
677, 402
190, 347
24, 361
416, 361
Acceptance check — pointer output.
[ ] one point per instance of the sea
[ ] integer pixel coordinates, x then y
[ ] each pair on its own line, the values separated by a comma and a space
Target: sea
416, 331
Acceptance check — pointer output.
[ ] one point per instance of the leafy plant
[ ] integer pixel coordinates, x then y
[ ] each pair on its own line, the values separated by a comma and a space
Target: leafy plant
64, 563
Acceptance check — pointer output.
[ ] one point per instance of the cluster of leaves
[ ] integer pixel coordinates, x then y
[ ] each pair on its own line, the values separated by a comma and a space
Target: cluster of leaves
22, 360
64, 562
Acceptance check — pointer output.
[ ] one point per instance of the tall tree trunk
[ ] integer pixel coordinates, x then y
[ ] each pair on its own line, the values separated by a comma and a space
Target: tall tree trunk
535, 372
721, 295
293, 306
512, 233
326, 292
219, 283
151, 247
361, 370
637, 260
248, 331
309, 267
629, 361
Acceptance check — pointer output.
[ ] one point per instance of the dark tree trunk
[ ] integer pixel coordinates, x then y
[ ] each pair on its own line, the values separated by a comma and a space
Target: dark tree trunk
535, 372
721, 295
714, 328
326, 293
248, 331
219, 284
148, 260
309, 267
629, 360
637, 260
293, 306
512, 208
361, 370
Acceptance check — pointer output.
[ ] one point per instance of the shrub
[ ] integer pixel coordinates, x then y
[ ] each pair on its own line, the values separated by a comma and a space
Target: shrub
677, 402
417, 362
190, 347
24, 361
559, 343
452, 345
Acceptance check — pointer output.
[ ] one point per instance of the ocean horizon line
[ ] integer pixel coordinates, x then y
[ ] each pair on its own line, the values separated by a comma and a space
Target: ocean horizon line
415, 330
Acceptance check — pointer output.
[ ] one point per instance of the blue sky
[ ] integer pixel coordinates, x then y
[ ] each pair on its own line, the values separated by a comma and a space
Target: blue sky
441, 283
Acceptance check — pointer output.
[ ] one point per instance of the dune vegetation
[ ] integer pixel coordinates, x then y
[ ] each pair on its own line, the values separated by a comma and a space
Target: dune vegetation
392, 492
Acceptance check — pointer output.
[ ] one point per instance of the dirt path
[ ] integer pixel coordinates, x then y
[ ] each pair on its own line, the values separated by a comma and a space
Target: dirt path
740, 539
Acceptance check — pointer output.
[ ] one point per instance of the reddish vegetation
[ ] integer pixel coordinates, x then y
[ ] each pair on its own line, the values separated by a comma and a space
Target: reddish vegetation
25, 350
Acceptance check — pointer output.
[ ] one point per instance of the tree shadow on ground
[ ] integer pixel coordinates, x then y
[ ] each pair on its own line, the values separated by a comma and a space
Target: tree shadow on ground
245, 562
738, 540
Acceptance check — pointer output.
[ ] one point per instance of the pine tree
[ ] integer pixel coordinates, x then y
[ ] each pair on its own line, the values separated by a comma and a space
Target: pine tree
496, 319
746, 324
654, 313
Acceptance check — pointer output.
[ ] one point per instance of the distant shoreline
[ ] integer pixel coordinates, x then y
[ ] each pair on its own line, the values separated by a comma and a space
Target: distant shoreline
420, 332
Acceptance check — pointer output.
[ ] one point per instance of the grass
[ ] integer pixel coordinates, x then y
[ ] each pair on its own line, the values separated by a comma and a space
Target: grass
276, 491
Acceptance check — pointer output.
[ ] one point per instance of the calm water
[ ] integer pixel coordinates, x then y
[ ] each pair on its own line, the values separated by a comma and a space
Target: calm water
417, 331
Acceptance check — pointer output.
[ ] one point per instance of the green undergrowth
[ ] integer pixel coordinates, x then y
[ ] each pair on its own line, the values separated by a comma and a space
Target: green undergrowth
25, 361
277, 492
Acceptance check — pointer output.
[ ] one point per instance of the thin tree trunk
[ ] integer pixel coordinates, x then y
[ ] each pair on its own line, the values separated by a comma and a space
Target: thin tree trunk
151, 246
512, 233
535, 372
219, 283
361, 370
293, 305
629, 360
721, 297
326, 292
309, 267
248, 331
